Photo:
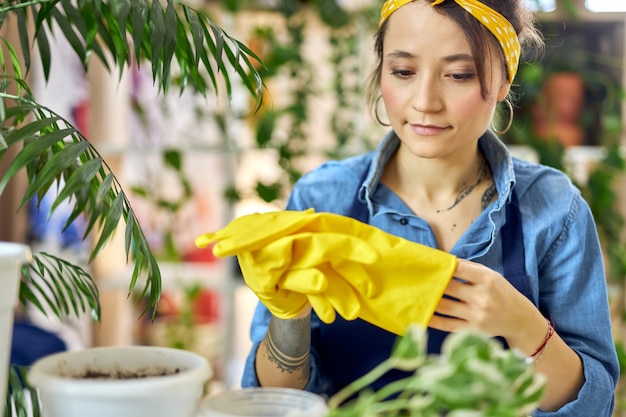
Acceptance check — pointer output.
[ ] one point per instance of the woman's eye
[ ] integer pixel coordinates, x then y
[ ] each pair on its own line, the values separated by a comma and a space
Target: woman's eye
402, 73
463, 76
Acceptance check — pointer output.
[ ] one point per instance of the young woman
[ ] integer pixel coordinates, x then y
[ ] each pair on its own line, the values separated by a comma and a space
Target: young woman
530, 267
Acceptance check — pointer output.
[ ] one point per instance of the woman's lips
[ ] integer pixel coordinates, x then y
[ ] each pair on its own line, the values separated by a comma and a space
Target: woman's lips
427, 130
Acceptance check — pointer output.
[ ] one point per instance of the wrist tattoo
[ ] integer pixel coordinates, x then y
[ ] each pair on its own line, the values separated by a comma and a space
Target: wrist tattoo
287, 343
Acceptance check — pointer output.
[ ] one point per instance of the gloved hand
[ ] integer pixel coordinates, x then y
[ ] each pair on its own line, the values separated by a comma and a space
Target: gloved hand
406, 283
254, 231
286, 271
289, 258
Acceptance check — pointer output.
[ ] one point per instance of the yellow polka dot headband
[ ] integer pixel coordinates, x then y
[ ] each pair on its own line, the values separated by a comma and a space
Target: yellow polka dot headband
497, 24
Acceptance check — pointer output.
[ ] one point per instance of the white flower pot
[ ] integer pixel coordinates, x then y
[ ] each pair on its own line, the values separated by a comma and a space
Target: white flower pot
66, 392
12, 256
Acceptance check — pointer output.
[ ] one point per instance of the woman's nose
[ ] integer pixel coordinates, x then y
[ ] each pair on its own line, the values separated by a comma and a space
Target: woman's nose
426, 95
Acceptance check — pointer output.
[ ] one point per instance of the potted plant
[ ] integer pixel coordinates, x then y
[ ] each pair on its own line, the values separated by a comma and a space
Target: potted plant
51, 152
121, 381
12, 256
473, 377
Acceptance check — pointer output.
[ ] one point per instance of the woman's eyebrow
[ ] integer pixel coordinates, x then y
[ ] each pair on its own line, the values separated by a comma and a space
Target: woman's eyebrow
447, 58
400, 54
458, 57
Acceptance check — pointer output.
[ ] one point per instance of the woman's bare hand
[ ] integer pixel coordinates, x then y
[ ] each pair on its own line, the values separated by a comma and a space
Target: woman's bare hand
484, 300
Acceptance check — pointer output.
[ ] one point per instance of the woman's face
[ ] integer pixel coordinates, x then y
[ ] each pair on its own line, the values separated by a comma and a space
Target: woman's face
429, 84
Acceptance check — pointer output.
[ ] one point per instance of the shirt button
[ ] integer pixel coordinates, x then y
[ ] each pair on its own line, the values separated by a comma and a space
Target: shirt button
404, 221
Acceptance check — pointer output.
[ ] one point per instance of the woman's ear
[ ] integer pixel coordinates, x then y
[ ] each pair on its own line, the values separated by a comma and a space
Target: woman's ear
504, 89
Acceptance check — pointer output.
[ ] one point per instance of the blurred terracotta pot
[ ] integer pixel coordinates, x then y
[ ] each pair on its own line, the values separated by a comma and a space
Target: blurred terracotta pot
557, 113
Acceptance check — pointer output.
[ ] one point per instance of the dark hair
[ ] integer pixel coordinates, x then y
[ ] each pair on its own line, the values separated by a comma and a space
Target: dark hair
481, 41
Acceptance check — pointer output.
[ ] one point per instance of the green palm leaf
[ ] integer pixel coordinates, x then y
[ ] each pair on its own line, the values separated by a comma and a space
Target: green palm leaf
141, 30
55, 155
63, 158
16, 383
68, 290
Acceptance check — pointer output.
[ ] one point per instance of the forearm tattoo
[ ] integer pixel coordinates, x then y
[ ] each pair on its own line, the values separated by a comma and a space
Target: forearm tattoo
287, 343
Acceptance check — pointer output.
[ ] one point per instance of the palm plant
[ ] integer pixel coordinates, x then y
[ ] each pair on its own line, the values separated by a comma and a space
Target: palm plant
53, 153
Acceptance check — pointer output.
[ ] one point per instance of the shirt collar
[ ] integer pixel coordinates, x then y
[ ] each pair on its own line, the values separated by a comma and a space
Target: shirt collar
383, 152
496, 154
501, 164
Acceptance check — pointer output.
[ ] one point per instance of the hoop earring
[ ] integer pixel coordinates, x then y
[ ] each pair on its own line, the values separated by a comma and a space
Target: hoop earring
509, 124
376, 116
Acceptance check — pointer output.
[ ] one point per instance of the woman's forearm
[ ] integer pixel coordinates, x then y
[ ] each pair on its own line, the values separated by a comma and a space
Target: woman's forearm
564, 371
561, 366
283, 356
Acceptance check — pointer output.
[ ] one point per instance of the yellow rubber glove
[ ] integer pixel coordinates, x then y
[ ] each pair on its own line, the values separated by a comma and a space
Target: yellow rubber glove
272, 272
410, 289
407, 283
254, 231
402, 287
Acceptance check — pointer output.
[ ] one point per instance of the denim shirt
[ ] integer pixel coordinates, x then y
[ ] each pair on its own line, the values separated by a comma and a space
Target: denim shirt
562, 254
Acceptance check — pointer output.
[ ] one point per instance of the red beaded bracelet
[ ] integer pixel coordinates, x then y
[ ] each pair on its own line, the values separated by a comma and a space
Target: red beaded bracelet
534, 358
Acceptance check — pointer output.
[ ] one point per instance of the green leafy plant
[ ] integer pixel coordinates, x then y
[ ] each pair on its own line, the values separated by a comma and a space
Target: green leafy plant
172, 161
54, 152
181, 45
285, 125
473, 377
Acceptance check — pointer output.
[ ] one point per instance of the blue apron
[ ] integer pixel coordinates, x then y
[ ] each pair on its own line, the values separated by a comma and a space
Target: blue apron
349, 349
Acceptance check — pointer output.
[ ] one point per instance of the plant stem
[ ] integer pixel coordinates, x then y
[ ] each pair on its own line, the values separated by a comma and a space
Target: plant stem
336, 400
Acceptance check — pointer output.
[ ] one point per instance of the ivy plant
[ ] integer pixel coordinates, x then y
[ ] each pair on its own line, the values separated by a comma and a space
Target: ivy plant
474, 376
